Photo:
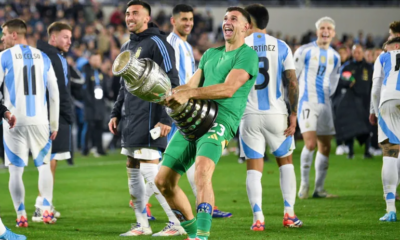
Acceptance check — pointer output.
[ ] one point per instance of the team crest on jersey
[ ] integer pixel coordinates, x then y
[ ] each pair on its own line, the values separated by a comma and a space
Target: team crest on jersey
323, 59
137, 54
259, 36
330, 61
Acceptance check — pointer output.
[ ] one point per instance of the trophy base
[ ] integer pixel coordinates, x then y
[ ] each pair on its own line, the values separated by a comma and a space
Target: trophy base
195, 118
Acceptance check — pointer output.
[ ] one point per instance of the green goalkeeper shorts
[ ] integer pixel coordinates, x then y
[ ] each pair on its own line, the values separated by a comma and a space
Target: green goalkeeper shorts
181, 154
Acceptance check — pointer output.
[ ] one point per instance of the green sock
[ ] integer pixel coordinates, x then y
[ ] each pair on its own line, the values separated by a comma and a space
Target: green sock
203, 225
190, 227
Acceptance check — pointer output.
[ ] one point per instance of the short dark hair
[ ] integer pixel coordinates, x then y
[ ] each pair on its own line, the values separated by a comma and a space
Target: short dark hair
181, 8
395, 26
260, 15
245, 14
141, 3
58, 27
393, 40
16, 25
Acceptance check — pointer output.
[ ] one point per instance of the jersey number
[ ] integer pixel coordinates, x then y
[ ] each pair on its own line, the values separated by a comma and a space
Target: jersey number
321, 70
397, 62
222, 129
306, 113
26, 80
264, 71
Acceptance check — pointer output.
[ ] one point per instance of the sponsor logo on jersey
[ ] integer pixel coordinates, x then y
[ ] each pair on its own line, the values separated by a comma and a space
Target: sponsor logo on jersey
214, 136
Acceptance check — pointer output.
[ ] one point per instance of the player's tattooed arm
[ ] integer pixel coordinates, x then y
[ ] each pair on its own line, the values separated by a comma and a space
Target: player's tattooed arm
293, 90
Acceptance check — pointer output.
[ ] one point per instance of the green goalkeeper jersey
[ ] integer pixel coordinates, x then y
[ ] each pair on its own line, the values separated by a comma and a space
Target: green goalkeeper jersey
216, 64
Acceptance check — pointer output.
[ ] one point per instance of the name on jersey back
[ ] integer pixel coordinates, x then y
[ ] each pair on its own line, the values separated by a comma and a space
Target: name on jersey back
27, 56
263, 48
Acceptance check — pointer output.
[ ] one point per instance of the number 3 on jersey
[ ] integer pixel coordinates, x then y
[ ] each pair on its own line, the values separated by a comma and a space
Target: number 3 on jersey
30, 72
263, 70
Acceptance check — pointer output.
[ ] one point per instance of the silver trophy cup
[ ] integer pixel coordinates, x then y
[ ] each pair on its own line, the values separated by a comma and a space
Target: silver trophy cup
146, 80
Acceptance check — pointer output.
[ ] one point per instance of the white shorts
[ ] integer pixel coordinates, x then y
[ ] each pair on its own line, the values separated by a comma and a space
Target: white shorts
142, 153
259, 130
316, 117
22, 139
389, 122
60, 156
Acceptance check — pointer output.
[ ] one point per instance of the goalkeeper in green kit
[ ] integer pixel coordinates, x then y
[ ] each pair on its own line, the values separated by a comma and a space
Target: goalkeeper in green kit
227, 74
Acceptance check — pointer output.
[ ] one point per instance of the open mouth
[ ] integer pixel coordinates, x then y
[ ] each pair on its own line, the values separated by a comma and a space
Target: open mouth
228, 31
325, 35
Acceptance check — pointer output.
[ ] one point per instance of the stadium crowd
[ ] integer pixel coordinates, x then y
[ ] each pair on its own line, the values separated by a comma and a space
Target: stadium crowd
93, 32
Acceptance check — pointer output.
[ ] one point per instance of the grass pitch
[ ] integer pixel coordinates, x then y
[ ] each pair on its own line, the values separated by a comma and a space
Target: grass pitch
93, 200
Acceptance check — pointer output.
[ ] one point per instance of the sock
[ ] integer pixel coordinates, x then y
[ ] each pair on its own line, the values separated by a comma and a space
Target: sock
148, 192
190, 176
17, 189
254, 192
204, 218
288, 187
321, 169
2, 228
46, 186
136, 190
190, 228
398, 170
39, 202
389, 180
149, 172
306, 159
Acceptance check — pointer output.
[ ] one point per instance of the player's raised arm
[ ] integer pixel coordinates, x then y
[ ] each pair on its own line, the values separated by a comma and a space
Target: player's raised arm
54, 99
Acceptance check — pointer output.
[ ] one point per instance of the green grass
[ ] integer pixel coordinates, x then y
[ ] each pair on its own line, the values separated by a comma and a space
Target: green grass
93, 199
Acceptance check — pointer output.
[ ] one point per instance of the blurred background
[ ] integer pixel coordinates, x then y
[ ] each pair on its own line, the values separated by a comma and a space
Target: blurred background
99, 25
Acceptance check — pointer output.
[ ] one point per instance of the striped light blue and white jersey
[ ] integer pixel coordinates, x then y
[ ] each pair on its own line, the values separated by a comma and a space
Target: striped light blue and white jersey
184, 58
27, 73
275, 57
318, 71
386, 78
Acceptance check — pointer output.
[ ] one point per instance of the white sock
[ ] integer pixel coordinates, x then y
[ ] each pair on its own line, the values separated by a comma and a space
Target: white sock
148, 192
389, 181
39, 202
190, 176
136, 190
17, 189
321, 169
288, 187
398, 170
46, 186
254, 192
306, 159
149, 172
2, 228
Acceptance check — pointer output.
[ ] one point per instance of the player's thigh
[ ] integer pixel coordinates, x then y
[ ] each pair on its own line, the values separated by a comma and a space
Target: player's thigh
180, 154
308, 117
211, 144
251, 139
389, 122
274, 128
16, 148
325, 125
39, 143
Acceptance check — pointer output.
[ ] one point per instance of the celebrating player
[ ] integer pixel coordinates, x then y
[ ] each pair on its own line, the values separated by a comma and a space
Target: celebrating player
317, 68
227, 74
386, 102
182, 21
142, 152
27, 73
265, 118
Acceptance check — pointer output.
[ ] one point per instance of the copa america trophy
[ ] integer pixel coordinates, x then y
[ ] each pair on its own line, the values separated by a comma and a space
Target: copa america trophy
146, 80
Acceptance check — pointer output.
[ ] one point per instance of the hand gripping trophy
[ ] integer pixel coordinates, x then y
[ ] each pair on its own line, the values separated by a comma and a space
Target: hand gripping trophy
146, 80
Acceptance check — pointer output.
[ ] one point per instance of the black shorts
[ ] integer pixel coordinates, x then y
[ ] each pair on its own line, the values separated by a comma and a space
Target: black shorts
62, 143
